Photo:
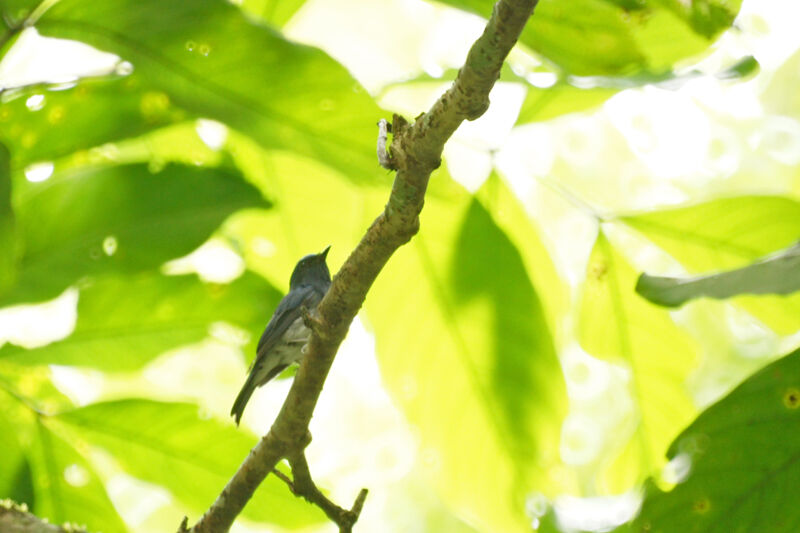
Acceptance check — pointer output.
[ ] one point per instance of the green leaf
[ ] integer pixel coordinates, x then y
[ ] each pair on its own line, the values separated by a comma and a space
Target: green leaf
727, 234
520, 227
777, 274
96, 111
8, 242
322, 210
172, 445
16, 482
274, 12
126, 321
560, 99
14, 12
567, 96
464, 346
742, 455
616, 324
598, 37
214, 61
32, 388
779, 96
67, 488
117, 219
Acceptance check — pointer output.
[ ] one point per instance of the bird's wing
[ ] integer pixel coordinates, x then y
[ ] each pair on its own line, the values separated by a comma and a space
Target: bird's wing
289, 310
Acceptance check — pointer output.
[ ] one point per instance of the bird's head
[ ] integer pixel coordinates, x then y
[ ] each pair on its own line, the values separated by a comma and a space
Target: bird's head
311, 270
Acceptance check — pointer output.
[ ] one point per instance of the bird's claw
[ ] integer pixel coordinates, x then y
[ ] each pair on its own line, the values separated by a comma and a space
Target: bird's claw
310, 318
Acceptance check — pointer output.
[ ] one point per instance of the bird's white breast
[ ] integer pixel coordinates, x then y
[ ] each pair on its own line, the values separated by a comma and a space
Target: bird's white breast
290, 350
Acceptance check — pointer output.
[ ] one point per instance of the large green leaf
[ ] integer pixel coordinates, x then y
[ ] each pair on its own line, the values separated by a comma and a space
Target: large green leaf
16, 482
731, 233
742, 459
117, 219
464, 346
323, 210
67, 488
8, 248
172, 445
96, 111
604, 37
126, 321
778, 274
520, 227
213, 60
616, 324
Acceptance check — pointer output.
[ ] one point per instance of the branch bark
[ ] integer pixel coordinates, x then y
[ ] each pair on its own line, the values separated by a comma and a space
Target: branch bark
16, 519
416, 151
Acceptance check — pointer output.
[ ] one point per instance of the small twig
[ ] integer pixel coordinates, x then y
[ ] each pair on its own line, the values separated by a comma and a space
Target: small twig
304, 486
286, 479
384, 156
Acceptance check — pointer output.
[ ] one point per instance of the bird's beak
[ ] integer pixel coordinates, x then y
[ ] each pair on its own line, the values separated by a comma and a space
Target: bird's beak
324, 253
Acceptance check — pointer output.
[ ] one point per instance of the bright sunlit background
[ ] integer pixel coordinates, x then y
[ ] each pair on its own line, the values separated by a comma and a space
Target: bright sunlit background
644, 147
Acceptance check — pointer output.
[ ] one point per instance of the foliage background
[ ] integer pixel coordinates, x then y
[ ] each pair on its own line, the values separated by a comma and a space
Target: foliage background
503, 363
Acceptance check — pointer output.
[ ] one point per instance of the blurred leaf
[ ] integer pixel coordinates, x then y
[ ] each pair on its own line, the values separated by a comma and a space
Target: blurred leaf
212, 60
518, 325
96, 111
67, 488
126, 321
597, 37
117, 219
32, 388
731, 233
780, 96
8, 245
274, 12
706, 17
15, 11
560, 99
462, 338
520, 228
323, 209
741, 456
581, 94
778, 274
617, 325
15, 476
171, 445
743, 68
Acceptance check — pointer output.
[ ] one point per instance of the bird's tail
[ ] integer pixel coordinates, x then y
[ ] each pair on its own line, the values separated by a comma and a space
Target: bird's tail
243, 398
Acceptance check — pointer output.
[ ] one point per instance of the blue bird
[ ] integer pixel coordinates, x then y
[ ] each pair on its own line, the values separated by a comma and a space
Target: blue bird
283, 341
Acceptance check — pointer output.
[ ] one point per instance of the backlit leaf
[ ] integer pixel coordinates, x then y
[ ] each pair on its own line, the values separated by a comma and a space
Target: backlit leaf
462, 337
617, 325
170, 443
731, 233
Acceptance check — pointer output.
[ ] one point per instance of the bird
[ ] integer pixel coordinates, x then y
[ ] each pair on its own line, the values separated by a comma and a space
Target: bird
284, 339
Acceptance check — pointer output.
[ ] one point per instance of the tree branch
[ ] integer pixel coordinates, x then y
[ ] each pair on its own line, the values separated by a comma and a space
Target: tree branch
15, 518
304, 486
416, 151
